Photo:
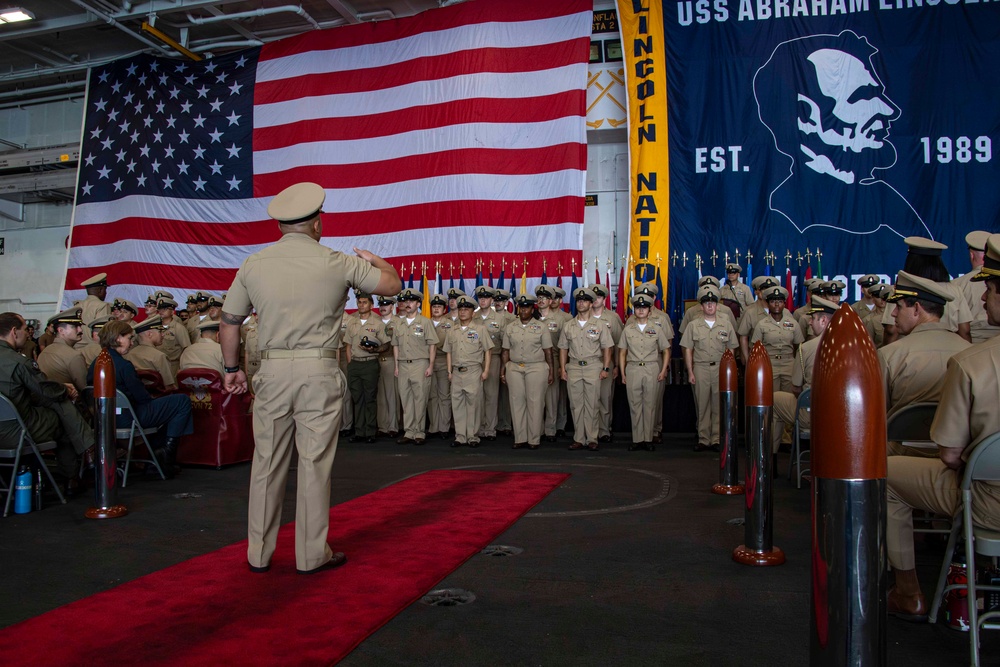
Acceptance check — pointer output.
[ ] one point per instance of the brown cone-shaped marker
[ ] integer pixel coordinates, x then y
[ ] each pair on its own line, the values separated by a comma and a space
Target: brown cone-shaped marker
728, 461
105, 465
758, 527
848, 611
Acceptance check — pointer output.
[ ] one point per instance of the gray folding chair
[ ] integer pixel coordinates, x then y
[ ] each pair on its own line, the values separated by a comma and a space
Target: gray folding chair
911, 426
983, 466
24, 442
129, 433
798, 435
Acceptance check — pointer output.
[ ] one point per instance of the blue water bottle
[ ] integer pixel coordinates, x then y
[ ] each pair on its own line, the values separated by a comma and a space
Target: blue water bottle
22, 491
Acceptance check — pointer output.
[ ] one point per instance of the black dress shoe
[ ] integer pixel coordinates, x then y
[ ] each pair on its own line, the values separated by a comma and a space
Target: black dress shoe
370, 439
444, 435
634, 446
418, 441
491, 438
474, 444
592, 446
456, 443
604, 438
560, 433
258, 570
519, 445
404, 441
714, 446
575, 446
357, 438
533, 446
337, 560
700, 447
650, 447
550, 438
657, 439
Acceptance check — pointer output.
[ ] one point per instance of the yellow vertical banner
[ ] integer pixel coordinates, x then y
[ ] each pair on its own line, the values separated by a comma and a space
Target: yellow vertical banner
641, 24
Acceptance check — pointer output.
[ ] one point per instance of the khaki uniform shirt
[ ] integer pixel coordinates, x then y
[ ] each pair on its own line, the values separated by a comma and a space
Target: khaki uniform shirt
467, 345
956, 311
443, 326
46, 339
968, 412
175, 339
980, 328
740, 292
527, 342
204, 353
696, 312
913, 367
644, 345
192, 324
251, 346
614, 322
748, 320
89, 352
708, 344
493, 323
415, 339
299, 288
802, 370
90, 309
146, 357
587, 342
373, 328
554, 321
781, 337
63, 364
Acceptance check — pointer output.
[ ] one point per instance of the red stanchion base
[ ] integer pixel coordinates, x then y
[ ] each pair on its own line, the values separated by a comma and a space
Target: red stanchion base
742, 554
112, 512
726, 490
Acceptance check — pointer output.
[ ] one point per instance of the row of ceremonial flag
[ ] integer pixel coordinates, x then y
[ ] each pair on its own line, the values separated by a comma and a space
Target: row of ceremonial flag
682, 281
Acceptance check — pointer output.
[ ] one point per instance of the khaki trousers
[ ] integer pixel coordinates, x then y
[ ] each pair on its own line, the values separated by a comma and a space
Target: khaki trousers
414, 388
782, 414
551, 407
658, 407
642, 390
467, 401
562, 416
782, 373
607, 395
706, 401
504, 422
439, 401
583, 387
491, 399
526, 385
388, 398
348, 410
298, 400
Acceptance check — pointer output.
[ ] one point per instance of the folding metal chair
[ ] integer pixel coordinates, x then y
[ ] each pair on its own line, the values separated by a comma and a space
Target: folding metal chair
129, 433
798, 435
24, 442
911, 426
983, 466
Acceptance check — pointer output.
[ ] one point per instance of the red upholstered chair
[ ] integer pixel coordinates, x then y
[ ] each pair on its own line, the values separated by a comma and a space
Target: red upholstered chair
223, 425
152, 381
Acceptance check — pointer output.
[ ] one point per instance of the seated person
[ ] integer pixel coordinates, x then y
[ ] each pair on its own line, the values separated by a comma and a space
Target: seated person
146, 356
62, 362
173, 412
968, 413
45, 406
206, 351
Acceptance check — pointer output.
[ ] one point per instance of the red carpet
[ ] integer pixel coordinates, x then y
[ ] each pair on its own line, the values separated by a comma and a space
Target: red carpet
211, 610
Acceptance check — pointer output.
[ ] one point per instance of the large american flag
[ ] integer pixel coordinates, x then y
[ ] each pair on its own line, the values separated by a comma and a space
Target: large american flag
454, 135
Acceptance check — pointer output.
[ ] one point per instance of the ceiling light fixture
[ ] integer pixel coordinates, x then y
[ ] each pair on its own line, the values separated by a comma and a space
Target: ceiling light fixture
15, 15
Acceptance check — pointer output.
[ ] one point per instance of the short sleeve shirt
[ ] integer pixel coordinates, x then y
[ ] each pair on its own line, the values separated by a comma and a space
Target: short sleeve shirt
587, 342
467, 345
414, 339
527, 342
708, 344
643, 345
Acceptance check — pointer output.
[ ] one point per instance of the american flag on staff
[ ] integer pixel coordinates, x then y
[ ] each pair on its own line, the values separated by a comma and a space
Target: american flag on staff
454, 135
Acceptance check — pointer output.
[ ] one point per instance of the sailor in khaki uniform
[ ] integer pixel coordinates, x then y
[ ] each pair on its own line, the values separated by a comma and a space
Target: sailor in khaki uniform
414, 347
527, 371
873, 318
94, 306
704, 342
126, 311
500, 300
695, 312
783, 414
439, 401
660, 319
366, 339
468, 353
913, 367
802, 313
735, 293
979, 329
206, 351
865, 304
199, 314
598, 311
552, 317
90, 351
453, 294
968, 413
643, 357
299, 288
562, 406
61, 361
752, 314
585, 346
780, 334
388, 410
147, 355
175, 334
493, 323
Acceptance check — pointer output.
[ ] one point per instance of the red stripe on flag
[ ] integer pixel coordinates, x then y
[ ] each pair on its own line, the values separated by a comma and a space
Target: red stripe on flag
469, 13
143, 273
415, 167
524, 110
431, 68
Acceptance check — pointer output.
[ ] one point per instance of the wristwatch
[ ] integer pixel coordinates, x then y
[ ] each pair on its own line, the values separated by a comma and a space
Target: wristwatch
606, 369
231, 369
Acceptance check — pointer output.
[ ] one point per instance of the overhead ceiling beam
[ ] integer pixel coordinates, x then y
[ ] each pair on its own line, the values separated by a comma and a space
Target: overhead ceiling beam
345, 10
233, 25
